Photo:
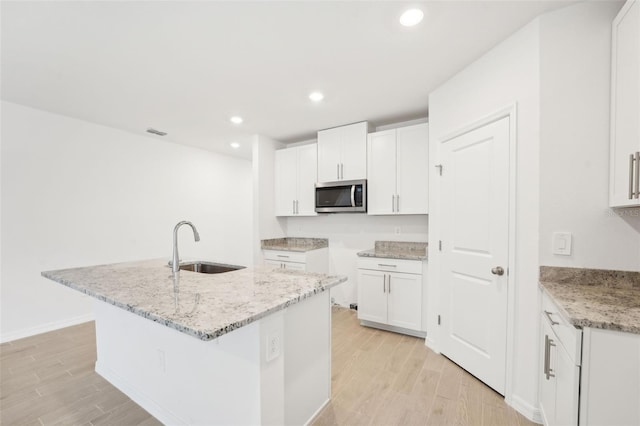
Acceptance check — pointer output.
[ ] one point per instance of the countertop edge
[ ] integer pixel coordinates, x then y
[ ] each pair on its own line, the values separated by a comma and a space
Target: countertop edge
372, 253
205, 336
582, 323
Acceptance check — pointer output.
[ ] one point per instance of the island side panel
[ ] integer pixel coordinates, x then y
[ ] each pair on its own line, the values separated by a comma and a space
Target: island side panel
307, 347
176, 377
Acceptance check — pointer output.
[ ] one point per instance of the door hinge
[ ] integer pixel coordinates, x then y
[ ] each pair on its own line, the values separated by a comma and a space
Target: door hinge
438, 319
439, 245
439, 167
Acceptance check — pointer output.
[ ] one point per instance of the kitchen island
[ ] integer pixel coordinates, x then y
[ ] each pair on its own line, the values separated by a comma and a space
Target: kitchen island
251, 346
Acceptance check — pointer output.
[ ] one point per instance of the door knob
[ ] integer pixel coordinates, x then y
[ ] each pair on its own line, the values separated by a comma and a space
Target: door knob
498, 270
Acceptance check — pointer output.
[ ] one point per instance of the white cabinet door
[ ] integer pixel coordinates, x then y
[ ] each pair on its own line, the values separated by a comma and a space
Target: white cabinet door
372, 296
567, 378
285, 181
412, 151
329, 153
404, 300
547, 386
307, 175
354, 151
381, 184
624, 182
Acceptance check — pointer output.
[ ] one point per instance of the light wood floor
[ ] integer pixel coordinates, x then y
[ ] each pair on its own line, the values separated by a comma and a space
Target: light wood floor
378, 378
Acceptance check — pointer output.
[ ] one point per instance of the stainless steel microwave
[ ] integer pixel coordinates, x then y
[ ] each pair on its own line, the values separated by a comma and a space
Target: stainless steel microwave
346, 196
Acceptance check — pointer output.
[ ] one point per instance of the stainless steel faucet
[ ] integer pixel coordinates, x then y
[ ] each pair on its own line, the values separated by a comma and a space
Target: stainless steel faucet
175, 262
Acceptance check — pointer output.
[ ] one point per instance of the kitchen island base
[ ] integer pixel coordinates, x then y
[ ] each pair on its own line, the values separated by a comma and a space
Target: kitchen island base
276, 370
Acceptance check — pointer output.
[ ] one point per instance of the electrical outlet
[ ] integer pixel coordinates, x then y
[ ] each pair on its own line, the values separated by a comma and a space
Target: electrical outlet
273, 345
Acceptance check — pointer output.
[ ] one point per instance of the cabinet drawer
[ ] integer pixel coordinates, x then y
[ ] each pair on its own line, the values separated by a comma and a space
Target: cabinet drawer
285, 256
390, 265
569, 336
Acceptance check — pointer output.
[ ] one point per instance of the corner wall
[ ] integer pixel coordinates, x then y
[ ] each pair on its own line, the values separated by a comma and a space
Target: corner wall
77, 194
575, 86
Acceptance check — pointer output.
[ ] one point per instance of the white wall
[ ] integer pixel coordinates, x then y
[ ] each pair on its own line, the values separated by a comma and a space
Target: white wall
350, 233
506, 75
75, 194
574, 142
265, 223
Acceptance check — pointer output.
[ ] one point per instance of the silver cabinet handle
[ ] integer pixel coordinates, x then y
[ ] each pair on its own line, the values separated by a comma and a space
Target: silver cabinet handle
498, 270
637, 174
338, 171
631, 160
297, 207
341, 171
397, 203
549, 369
293, 208
393, 203
548, 314
547, 356
282, 255
384, 283
388, 265
389, 284
353, 195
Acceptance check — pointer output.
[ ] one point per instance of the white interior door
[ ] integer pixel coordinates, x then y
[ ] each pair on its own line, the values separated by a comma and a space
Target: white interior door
475, 236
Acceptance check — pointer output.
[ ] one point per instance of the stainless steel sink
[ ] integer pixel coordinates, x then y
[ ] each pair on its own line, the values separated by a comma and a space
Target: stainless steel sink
208, 267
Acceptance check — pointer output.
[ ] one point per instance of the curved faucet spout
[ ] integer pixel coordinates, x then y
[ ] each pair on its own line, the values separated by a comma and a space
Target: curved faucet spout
175, 261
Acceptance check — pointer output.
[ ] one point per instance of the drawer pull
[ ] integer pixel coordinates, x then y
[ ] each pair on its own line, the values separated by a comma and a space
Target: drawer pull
548, 314
385, 265
282, 255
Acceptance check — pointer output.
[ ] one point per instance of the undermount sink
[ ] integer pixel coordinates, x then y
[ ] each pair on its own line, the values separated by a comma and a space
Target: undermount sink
208, 267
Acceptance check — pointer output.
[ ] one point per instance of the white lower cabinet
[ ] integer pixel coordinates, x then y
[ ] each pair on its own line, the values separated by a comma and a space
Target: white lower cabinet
310, 261
390, 294
588, 376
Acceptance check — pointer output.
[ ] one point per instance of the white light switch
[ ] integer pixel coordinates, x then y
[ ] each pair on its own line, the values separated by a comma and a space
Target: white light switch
562, 243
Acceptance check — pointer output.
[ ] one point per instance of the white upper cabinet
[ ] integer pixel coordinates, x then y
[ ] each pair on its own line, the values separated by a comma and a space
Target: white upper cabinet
295, 181
342, 153
624, 173
398, 178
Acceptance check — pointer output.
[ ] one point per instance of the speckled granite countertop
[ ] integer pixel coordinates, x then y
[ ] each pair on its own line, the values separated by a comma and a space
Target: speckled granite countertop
294, 244
397, 250
226, 301
595, 298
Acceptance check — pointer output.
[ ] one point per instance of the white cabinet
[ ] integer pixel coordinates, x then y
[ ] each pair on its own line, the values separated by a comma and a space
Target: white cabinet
624, 155
390, 294
295, 181
342, 153
310, 261
560, 367
398, 178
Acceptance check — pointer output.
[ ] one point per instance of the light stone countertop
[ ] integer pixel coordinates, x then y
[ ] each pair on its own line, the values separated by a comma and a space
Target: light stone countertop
226, 301
294, 244
397, 250
602, 299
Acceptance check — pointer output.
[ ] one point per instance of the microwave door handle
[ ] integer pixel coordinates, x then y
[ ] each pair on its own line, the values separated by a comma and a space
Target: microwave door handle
353, 195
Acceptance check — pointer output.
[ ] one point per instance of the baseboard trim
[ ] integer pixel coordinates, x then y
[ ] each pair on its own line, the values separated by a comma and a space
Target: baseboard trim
523, 407
45, 328
401, 330
431, 344
318, 411
164, 416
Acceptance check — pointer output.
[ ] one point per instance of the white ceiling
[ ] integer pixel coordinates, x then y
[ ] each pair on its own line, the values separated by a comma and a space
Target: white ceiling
187, 67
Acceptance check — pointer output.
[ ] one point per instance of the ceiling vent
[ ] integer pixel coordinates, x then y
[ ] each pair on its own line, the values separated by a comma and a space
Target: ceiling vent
156, 132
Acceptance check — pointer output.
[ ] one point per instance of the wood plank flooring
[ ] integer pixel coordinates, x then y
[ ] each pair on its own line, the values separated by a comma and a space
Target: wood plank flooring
379, 378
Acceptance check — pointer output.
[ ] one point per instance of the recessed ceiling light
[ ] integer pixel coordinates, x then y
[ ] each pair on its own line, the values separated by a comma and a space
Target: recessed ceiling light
316, 96
235, 145
236, 120
411, 17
